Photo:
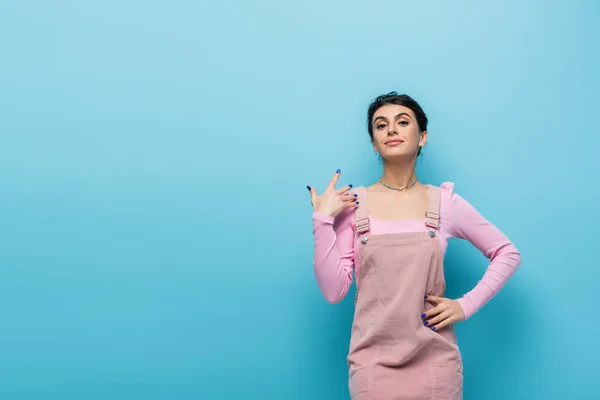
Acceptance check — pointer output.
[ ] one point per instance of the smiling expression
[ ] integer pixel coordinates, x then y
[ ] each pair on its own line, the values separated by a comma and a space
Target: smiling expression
396, 132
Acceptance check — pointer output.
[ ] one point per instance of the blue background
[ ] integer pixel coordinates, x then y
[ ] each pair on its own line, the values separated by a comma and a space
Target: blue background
155, 230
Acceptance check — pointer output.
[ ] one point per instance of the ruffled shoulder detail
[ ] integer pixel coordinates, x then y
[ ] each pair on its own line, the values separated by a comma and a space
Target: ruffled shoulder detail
446, 197
447, 187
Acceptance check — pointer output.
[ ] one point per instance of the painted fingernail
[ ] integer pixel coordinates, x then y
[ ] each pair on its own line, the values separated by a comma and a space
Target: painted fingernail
338, 171
425, 297
355, 195
426, 323
358, 202
423, 315
308, 187
433, 329
350, 186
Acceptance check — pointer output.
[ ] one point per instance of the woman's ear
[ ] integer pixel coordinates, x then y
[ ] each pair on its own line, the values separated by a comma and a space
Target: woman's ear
423, 139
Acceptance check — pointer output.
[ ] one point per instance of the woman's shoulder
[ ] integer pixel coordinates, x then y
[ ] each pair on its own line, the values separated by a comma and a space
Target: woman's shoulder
446, 193
447, 197
446, 190
454, 209
446, 187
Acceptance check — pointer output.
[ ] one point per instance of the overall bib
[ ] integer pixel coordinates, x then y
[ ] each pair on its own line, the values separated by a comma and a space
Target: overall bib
393, 355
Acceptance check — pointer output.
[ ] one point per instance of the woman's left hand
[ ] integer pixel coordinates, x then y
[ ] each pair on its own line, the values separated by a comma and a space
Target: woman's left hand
444, 313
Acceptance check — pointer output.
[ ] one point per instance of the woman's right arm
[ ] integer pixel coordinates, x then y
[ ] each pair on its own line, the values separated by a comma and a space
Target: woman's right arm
333, 231
333, 253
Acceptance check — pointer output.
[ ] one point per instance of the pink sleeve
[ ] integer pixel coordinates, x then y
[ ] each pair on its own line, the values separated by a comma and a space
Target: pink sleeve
333, 253
465, 222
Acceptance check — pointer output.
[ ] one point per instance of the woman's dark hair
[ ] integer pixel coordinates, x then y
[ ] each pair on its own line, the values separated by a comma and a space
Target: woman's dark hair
398, 99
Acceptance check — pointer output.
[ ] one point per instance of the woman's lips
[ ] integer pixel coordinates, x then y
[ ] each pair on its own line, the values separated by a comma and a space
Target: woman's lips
394, 142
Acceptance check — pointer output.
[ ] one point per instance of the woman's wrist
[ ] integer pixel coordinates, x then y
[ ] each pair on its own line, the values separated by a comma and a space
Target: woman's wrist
321, 216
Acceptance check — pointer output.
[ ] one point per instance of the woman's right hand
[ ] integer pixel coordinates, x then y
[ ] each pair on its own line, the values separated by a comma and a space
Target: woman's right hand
331, 202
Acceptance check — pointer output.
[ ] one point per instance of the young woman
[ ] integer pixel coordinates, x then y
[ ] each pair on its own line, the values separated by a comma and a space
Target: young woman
394, 235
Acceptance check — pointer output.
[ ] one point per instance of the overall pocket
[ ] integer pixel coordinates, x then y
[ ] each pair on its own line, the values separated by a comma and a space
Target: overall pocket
359, 383
448, 384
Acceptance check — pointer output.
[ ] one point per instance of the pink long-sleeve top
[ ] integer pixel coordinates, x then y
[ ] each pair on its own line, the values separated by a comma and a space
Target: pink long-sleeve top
335, 242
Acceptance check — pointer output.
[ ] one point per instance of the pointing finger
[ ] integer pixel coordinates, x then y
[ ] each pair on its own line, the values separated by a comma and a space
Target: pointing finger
335, 178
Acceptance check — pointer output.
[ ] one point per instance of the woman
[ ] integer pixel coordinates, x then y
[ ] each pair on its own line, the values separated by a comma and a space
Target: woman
394, 234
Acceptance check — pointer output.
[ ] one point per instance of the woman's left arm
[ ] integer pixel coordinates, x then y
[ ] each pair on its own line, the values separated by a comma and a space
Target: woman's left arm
465, 222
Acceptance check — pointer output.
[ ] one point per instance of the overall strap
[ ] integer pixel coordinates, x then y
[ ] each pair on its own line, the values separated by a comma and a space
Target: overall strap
361, 214
432, 216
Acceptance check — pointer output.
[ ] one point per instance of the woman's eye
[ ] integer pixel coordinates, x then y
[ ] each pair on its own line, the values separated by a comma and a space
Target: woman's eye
403, 123
380, 126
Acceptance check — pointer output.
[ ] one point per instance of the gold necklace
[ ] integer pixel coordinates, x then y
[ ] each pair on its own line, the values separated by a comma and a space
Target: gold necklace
401, 188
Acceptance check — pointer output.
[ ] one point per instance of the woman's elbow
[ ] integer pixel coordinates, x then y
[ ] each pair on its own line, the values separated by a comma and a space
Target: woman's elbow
334, 297
516, 256
513, 256
507, 251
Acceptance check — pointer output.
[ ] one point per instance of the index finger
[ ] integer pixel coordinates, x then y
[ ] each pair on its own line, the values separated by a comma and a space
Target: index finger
335, 178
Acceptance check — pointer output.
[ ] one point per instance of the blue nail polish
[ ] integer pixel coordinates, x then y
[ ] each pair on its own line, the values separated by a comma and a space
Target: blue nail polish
433, 329
308, 187
357, 202
355, 195
426, 323
338, 171
351, 186
425, 297
423, 315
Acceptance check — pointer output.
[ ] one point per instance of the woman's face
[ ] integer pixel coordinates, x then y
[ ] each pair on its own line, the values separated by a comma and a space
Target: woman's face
396, 132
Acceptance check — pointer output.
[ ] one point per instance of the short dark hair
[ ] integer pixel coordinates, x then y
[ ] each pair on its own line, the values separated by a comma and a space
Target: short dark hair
401, 100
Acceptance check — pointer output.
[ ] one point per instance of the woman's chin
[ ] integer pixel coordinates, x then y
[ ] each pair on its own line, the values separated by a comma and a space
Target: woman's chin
397, 156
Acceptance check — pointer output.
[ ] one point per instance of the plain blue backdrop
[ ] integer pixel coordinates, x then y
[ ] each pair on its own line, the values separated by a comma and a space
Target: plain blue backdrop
155, 228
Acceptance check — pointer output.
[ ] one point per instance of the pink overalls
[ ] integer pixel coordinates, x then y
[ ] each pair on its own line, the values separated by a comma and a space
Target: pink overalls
393, 355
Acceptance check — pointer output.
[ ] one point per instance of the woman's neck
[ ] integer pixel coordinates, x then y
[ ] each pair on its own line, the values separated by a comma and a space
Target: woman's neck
398, 175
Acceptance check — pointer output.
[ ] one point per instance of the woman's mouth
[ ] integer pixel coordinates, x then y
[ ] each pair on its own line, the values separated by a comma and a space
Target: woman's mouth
394, 142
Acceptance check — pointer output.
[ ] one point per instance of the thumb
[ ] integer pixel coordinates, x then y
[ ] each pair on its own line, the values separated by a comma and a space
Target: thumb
313, 194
